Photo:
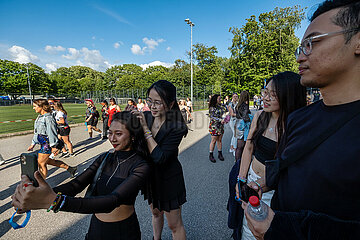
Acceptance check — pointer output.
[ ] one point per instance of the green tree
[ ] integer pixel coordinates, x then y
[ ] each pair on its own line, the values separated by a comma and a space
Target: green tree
264, 48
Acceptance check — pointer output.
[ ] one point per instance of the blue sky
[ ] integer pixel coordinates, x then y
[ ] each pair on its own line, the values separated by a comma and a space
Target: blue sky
100, 34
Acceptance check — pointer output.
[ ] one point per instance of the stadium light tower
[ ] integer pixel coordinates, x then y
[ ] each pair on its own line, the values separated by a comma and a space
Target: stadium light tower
191, 64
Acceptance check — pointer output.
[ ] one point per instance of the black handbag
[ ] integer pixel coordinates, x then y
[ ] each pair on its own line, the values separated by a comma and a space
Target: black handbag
274, 167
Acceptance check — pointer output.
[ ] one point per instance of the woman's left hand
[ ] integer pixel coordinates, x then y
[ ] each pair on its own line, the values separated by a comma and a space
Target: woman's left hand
141, 117
27, 197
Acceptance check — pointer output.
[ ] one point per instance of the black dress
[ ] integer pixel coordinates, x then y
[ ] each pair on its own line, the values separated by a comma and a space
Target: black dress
166, 188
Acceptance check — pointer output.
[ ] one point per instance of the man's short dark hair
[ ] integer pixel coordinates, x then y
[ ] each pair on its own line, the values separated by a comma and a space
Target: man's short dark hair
348, 17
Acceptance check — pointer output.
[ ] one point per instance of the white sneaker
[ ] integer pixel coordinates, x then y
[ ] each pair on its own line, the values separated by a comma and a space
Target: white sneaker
52, 156
2, 162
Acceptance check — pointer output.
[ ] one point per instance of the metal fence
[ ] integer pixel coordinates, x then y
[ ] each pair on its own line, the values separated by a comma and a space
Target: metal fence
200, 96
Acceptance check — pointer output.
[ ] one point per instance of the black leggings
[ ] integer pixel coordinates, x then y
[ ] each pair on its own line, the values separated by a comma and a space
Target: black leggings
105, 126
127, 229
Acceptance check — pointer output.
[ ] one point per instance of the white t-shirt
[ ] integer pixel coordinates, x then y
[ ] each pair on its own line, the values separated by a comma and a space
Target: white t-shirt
60, 114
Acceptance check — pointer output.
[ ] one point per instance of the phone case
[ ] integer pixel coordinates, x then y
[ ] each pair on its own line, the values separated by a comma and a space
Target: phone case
29, 165
246, 192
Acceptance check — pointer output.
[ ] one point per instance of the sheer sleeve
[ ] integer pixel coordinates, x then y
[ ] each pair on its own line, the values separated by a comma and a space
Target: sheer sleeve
78, 184
123, 194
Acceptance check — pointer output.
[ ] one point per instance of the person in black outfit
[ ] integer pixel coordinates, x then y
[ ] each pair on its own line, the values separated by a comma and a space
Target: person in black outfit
105, 118
111, 200
164, 129
317, 196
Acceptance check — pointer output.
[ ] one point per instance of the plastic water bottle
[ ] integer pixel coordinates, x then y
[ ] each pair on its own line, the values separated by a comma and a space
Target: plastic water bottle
257, 209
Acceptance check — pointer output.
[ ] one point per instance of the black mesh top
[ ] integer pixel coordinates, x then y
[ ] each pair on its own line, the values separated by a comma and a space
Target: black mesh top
124, 174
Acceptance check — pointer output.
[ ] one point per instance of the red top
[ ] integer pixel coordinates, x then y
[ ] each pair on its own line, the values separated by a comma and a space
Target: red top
111, 112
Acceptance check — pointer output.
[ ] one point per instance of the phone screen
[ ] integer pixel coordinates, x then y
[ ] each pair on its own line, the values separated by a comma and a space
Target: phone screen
246, 192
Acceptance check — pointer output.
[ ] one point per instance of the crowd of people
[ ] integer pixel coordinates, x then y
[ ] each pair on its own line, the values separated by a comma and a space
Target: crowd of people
301, 159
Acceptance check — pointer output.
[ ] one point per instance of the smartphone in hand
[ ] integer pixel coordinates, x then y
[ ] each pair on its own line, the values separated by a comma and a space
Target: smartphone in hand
246, 192
29, 165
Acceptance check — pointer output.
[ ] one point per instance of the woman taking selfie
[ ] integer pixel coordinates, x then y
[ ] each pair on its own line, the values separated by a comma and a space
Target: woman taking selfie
115, 179
283, 95
45, 134
164, 129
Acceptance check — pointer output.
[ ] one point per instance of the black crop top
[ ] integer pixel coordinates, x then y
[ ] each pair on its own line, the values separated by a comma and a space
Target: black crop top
265, 149
127, 179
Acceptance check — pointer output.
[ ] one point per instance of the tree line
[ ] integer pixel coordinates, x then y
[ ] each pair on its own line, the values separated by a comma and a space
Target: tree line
264, 46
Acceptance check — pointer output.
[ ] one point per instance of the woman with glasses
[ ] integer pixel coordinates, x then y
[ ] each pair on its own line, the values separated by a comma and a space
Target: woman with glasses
216, 127
164, 128
282, 95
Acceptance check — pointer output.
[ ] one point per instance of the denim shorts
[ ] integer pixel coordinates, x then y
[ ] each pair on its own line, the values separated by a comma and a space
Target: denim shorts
44, 143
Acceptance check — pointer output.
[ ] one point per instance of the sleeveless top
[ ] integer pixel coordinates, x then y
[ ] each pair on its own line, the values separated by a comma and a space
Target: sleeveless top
265, 149
111, 112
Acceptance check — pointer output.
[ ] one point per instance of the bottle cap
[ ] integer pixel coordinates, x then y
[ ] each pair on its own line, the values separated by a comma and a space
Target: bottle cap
254, 201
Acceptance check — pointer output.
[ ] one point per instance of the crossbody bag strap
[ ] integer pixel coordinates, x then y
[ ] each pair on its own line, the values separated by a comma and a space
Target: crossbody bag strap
91, 188
299, 153
273, 167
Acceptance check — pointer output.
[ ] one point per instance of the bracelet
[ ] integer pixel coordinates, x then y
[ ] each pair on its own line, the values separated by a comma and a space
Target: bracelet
244, 180
148, 136
55, 202
259, 186
61, 205
147, 133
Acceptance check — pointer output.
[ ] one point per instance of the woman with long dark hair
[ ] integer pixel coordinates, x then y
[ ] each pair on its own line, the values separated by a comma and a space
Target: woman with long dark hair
216, 126
113, 108
64, 128
91, 117
105, 118
242, 112
164, 129
115, 179
45, 134
131, 105
282, 95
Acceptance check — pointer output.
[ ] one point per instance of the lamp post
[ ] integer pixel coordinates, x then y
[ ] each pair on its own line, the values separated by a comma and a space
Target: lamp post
27, 71
191, 64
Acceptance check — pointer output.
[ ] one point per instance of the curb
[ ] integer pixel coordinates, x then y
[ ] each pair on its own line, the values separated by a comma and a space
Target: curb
8, 135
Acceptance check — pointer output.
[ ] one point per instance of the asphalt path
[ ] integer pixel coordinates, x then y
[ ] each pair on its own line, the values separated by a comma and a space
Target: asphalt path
204, 213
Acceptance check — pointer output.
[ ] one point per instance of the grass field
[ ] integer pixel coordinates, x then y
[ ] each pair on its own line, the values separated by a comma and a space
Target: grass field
23, 112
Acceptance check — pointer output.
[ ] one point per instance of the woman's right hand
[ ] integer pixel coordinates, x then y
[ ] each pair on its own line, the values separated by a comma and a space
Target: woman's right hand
31, 147
28, 197
141, 117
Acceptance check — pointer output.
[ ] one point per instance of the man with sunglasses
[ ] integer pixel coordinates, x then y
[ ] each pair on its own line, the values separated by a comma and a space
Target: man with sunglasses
317, 195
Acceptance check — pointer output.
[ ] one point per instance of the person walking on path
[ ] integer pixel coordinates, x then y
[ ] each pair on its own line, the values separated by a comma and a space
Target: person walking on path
114, 179
232, 123
321, 140
113, 108
189, 104
92, 117
164, 129
105, 118
242, 113
131, 105
216, 127
63, 127
282, 95
45, 134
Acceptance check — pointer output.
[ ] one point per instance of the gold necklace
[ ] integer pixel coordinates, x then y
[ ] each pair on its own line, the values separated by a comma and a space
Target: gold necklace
119, 163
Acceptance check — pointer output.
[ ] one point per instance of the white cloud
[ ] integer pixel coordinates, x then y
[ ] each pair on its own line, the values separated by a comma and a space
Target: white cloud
118, 44
156, 63
136, 49
168, 48
93, 38
151, 45
54, 49
73, 54
21, 55
88, 58
51, 67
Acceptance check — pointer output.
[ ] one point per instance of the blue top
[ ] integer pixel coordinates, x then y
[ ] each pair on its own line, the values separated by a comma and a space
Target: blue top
45, 125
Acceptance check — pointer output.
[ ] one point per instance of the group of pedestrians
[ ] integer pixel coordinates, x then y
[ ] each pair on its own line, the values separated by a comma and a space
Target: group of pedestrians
302, 161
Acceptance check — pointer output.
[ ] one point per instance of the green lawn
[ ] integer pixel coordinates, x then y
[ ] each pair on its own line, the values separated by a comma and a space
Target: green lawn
23, 112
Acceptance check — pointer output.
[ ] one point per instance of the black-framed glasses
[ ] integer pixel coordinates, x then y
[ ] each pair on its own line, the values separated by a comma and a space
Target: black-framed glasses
270, 93
306, 45
154, 103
